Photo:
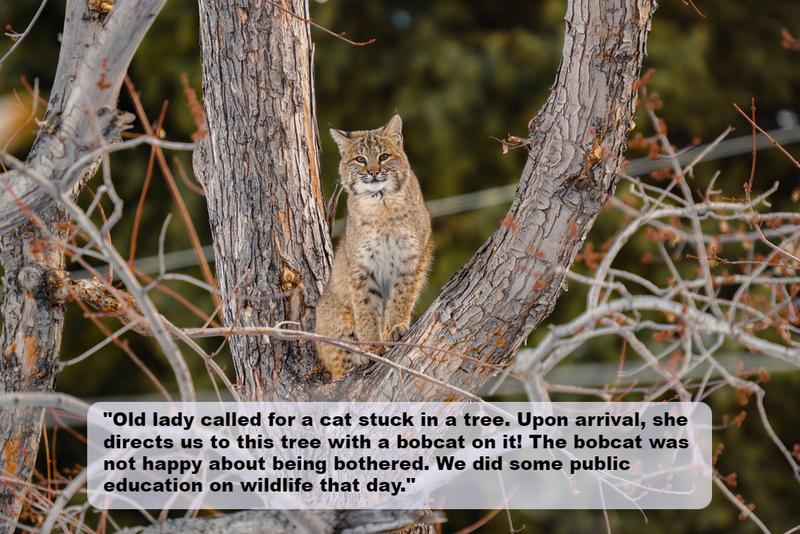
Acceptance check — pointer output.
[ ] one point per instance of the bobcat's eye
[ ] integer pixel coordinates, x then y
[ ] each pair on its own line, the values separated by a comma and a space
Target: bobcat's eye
383, 157
361, 159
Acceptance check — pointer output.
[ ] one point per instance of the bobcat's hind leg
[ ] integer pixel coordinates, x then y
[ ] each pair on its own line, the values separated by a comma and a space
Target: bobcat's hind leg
337, 360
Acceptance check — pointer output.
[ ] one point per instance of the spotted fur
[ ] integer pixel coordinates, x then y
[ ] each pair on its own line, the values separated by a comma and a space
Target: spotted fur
383, 257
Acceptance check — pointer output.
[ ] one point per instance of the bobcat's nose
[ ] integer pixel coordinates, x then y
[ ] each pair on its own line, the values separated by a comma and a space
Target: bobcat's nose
373, 173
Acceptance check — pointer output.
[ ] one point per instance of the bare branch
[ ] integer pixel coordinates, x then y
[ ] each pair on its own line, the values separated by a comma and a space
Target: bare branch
311, 22
61, 401
19, 37
86, 113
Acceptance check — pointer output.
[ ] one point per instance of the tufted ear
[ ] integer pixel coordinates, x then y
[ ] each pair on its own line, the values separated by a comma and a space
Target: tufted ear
342, 139
394, 129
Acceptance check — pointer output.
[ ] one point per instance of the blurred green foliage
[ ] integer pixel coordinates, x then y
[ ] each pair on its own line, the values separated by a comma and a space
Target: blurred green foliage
461, 72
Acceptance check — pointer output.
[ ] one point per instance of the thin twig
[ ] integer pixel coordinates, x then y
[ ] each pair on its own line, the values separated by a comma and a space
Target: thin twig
740, 505
690, 2
774, 142
137, 216
173, 188
20, 36
312, 23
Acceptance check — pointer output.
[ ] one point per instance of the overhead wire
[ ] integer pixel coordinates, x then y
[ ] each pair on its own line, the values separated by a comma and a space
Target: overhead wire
495, 196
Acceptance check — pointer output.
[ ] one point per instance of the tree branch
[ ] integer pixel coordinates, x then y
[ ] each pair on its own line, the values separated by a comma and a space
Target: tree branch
82, 117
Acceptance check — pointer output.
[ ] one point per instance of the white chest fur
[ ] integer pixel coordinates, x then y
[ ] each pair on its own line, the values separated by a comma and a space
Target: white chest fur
386, 258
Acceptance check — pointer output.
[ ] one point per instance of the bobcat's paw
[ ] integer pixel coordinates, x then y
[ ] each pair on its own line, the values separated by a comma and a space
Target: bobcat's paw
357, 360
397, 332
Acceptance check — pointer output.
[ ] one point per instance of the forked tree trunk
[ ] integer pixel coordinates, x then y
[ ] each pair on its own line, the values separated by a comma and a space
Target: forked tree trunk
259, 168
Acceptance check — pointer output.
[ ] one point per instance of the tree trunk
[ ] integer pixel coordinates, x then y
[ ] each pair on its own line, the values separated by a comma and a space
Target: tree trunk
96, 50
259, 167
30, 342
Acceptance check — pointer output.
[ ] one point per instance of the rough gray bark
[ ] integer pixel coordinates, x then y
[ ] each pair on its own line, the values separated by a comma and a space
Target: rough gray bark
81, 116
259, 167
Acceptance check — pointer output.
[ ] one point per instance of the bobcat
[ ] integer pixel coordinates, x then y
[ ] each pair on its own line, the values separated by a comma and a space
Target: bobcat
382, 259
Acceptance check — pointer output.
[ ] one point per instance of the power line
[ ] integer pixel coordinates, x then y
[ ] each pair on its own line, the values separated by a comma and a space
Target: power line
633, 373
495, 196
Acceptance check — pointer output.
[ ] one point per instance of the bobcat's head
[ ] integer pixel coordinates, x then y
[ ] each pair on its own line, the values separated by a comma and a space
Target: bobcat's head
373, 162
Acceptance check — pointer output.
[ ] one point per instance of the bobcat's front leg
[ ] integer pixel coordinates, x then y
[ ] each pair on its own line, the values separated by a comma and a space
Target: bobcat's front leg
404, 296
365, 312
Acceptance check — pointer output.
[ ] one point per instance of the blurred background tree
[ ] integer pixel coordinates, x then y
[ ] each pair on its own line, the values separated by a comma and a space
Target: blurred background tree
460, 72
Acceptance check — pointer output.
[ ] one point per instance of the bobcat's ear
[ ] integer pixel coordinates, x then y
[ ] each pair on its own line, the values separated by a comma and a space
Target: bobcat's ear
342, 139
394, 129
